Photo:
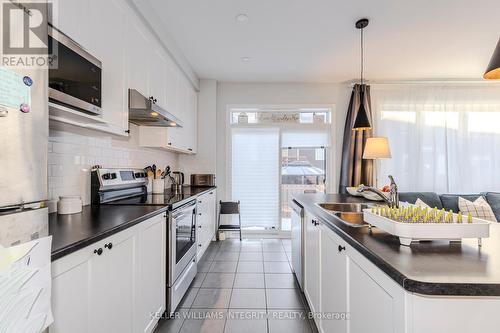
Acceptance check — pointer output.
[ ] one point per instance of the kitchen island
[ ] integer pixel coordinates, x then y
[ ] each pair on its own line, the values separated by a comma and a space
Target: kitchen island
386, 287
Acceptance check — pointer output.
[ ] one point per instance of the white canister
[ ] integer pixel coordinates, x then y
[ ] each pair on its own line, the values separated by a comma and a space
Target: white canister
71, 204
222, 236
158, 186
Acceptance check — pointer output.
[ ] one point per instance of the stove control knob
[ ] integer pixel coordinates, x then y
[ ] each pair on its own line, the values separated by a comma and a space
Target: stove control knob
106, 176
113, 175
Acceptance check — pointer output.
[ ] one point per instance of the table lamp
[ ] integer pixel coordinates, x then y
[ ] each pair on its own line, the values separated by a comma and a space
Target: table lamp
375, 149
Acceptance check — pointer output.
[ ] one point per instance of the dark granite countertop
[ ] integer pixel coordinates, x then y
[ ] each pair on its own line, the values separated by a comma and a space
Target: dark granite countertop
430, 268
76, 231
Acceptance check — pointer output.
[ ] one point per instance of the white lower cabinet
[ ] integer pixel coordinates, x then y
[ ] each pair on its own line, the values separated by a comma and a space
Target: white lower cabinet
205, 221
312, 262
370, 306
333, 282
114, 285
151, 286
343, 296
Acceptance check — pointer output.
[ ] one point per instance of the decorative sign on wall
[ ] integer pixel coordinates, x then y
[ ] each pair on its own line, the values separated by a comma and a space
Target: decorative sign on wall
278, 117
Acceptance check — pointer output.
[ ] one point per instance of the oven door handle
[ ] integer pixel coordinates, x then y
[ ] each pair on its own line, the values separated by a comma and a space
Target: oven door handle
183, 211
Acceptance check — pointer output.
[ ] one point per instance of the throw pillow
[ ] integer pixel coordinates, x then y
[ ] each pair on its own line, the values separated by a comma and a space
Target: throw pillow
479, 208
421, 204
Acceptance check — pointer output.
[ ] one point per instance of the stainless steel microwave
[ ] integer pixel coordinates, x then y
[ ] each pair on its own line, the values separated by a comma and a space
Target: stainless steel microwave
75, 80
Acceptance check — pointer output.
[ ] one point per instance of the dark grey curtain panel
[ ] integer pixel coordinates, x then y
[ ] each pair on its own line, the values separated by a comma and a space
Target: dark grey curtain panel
354, 169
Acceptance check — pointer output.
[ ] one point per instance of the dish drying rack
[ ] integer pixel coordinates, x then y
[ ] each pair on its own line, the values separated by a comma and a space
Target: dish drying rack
412, 223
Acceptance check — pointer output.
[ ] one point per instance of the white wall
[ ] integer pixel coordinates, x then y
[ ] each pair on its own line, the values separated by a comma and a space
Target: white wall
205, 159
229, 93
73, 151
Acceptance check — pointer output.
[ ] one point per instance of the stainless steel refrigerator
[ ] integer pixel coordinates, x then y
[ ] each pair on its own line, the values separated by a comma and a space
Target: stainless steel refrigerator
23, 154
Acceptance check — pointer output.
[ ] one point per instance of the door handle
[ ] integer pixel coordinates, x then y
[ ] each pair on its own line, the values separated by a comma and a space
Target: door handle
341, 248
109, 245
98, 251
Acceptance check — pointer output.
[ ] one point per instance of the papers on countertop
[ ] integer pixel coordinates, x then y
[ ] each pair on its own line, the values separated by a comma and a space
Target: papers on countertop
25, 287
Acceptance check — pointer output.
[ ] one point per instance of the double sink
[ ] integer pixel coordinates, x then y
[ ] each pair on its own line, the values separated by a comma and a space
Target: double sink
350, 214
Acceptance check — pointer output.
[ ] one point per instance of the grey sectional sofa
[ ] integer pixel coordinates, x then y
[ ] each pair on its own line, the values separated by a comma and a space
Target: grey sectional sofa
450, 201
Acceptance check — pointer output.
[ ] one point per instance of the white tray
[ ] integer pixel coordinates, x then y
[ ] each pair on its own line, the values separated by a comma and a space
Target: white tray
409, 232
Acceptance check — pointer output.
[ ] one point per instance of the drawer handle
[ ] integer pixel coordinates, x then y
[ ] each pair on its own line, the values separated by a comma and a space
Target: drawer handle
199, 214
341, 248
109, 245
315, 222
98, 251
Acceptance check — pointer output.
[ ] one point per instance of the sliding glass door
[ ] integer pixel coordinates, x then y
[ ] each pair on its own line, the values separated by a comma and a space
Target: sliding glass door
275, 153
303, 170
255, 175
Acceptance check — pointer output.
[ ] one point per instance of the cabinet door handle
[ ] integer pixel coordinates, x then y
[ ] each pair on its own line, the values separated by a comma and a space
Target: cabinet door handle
315, 222
341, 248
190, 149
170, 143
109, 245
199, 245
98, 251
199, 214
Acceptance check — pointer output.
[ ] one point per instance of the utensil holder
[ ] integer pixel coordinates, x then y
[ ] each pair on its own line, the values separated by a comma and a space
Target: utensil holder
149, 185
158, 186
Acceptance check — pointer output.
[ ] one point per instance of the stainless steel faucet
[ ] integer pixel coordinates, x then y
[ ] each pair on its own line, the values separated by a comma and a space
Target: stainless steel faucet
393, 200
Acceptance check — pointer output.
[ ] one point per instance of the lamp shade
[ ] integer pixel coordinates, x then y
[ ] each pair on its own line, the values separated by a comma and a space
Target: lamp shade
361, 122
493, 70
377, 148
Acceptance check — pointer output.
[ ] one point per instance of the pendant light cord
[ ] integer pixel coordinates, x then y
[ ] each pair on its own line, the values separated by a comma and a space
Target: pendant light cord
362, 55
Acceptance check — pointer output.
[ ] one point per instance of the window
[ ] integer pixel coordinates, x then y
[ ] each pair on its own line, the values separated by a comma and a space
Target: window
443, 139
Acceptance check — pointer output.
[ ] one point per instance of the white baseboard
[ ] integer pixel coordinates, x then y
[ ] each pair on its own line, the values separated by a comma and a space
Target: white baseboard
257, 234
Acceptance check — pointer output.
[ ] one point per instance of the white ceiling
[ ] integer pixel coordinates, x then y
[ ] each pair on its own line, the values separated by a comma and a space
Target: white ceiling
315, 40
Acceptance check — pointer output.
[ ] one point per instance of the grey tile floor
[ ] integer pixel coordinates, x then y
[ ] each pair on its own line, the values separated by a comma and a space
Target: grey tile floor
242, 287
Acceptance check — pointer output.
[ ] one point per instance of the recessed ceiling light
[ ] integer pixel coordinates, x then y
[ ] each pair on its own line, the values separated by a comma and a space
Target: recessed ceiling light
246, 59
241, 18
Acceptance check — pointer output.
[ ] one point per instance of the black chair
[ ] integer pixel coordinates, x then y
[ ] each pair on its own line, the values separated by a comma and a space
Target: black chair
229, 208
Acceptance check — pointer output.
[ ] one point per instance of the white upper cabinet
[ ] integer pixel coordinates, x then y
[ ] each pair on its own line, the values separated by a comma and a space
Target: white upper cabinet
172, 77
132, 58
158, 77
72, 17
138, 51
109, 48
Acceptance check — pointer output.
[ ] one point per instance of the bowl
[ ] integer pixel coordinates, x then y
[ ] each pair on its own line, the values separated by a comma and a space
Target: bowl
353, 190
372, 196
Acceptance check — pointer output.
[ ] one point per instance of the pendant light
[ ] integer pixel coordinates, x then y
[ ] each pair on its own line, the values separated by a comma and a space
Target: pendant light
493, 70
362, 122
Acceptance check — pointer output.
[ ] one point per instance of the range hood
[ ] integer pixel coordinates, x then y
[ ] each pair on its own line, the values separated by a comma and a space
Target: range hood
144, 111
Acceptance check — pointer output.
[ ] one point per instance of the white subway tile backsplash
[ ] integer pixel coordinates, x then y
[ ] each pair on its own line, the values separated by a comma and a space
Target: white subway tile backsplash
73, 151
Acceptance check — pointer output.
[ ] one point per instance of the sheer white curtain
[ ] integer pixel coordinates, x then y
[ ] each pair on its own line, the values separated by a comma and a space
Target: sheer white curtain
255, 175
443, 138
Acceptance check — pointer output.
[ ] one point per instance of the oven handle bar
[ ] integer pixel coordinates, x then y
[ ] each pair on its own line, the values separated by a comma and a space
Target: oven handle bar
184, 210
